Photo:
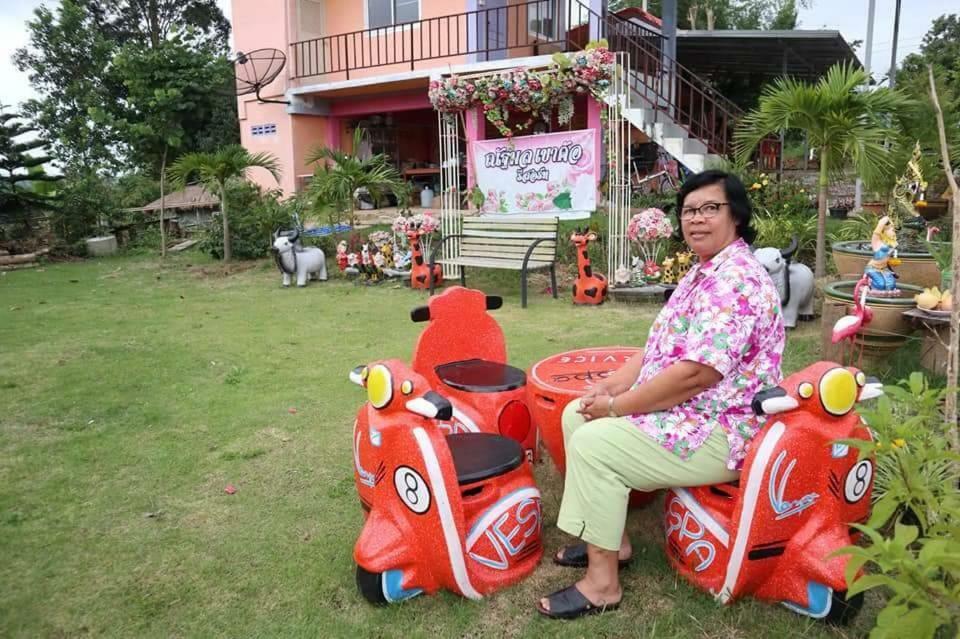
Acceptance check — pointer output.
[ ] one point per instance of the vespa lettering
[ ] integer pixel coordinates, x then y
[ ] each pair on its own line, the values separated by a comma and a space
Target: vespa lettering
509, 535
682, 521
777, 488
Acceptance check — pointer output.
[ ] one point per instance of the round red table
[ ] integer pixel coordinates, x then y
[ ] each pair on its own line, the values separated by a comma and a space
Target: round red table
554, 381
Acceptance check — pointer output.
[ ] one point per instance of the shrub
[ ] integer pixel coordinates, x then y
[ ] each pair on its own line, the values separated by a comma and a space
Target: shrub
254, 216
86, 202
913, 536
779, 230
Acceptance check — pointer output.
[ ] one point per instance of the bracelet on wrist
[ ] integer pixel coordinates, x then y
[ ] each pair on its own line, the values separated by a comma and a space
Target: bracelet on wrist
610, 411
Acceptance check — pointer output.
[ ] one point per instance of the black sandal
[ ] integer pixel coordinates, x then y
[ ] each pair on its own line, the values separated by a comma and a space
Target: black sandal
570, 603
575, 556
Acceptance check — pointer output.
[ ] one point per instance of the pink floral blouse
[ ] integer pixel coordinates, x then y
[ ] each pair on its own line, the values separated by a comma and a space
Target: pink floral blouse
725, 313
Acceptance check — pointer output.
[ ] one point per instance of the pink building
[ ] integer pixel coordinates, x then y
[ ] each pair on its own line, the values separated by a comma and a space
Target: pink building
368, 63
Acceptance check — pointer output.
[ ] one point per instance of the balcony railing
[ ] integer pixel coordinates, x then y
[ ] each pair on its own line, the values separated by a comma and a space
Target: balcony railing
531, 28
540, 26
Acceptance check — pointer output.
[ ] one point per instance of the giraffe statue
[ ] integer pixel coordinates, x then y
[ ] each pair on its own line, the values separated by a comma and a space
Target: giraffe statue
667, 275
420, 270
683, 264
589, 288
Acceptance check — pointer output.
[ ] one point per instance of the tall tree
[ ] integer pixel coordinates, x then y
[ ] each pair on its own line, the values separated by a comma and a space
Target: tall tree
166, 96
941, 52
69, 60
214, 170
68, 52
846, 125
21, 168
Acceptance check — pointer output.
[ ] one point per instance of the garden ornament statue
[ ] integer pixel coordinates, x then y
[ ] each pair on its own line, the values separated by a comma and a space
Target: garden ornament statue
667, 274
684, 261
459, 512
590, 287
879, 270
420, 271
342, 260
368, 268
847, 327
794, 282
292, 260
774, 534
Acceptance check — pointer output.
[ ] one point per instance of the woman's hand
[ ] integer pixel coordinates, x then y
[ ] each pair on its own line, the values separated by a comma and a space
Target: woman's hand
600, 388
595, 407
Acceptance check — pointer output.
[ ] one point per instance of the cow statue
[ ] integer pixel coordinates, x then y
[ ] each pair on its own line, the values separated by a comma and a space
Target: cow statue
293, 260
794, 282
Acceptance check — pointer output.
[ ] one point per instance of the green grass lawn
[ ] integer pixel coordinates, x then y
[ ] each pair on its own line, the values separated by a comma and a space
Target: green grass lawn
132, 393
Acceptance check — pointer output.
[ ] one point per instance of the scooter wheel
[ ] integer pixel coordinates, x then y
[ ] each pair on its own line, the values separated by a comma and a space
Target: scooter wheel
843, 610
370, 585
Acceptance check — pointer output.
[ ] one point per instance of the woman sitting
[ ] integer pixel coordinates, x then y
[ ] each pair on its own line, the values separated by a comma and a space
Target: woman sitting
679, 413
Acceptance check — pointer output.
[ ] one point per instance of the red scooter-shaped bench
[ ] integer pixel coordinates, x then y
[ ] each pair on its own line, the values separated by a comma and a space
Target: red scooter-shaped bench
772, 533
459, 512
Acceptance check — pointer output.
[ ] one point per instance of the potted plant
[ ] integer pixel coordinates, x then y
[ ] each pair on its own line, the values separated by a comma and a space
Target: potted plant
840, 207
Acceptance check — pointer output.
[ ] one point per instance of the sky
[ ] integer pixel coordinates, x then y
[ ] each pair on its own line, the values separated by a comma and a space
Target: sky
847, 16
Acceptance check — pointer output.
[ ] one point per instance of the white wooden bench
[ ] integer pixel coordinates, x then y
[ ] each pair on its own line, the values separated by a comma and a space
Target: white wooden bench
520, 244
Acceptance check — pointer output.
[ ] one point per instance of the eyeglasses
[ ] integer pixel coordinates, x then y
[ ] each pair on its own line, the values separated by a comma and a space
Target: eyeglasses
708, 210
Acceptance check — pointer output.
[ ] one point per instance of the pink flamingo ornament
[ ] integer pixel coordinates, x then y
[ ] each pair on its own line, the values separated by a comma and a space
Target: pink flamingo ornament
933, 230
847, 327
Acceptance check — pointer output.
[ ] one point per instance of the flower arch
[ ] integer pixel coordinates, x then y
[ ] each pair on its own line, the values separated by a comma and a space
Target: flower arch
534, 91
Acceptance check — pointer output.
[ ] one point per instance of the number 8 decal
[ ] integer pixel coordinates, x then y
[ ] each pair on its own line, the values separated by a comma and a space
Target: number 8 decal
858, 481
412, 489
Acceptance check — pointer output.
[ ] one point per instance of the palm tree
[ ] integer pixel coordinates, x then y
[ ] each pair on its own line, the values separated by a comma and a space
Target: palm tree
214, 170
845, 123
339, 175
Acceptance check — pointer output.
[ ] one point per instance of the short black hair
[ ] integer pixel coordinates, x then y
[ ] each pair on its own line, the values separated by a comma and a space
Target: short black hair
736, 194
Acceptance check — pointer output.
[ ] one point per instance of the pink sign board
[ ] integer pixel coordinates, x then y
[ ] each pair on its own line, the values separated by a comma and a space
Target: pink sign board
549, 175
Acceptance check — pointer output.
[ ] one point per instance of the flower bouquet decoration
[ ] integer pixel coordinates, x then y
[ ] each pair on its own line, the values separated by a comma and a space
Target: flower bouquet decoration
649, 230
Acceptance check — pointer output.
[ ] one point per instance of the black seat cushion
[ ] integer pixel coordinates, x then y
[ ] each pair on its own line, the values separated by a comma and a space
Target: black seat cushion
481, 376
479, 456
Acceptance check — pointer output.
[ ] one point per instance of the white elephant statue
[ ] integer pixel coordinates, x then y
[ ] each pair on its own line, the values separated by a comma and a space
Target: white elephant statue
794, 282
293, 259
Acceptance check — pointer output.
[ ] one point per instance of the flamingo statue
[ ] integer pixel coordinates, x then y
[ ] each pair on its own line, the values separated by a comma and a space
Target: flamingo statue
847, 327
931, 231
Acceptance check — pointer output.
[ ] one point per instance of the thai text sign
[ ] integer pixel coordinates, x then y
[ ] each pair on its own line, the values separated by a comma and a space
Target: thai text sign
549, 175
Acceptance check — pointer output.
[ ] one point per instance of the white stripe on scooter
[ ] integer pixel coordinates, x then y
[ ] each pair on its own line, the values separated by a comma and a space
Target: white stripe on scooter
750, 496
466, 421
450, 534
703, 516
496, 510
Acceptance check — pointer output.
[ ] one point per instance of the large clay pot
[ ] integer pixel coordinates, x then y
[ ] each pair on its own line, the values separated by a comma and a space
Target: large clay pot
889, 329
933, 209
917, 269
877, 208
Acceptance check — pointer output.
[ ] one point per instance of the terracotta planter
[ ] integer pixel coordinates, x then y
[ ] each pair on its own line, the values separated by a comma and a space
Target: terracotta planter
877, 208
917, 269
889, 329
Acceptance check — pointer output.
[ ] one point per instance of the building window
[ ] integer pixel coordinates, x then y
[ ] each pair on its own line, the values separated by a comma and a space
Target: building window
385, 13
263, 129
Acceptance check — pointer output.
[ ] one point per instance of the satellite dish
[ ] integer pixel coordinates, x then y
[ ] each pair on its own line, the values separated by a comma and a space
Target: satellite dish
257, 69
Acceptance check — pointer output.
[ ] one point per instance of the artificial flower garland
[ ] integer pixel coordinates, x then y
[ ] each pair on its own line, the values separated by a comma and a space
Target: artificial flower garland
536, 92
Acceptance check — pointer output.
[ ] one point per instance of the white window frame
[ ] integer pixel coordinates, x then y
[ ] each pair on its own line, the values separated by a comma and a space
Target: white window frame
393, 17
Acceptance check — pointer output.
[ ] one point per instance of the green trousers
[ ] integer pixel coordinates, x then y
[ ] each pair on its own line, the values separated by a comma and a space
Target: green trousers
608, 457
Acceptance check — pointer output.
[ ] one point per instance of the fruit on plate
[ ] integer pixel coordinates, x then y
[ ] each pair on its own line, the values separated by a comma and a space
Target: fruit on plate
946, 301
929, 300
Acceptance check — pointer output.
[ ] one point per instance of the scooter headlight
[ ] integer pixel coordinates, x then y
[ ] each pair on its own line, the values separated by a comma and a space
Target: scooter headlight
379, 386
